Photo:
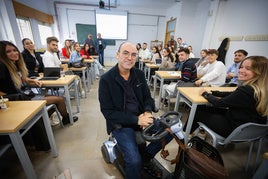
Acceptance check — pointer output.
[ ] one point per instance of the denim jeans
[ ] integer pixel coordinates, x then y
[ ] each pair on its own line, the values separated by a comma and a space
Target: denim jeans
101, 57
126, 140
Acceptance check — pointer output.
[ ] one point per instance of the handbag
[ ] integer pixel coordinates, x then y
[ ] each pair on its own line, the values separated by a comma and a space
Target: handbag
78, 64
199, 161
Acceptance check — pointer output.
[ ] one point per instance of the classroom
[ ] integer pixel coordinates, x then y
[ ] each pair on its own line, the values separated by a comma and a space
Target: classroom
81, 93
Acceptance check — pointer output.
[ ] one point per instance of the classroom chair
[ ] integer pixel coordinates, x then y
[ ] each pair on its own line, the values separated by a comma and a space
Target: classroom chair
248, 132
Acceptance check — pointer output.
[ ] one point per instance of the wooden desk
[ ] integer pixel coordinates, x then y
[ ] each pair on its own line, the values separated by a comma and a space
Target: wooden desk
83, 70
190, 95
23, 115
164, 76
95, 56
149, 66
65, 82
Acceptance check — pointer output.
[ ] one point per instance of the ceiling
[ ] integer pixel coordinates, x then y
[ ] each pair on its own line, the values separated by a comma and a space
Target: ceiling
159, 4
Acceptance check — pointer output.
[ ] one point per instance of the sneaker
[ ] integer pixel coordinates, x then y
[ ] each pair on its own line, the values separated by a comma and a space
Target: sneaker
83, 94
54, 120
152, 170
104, 69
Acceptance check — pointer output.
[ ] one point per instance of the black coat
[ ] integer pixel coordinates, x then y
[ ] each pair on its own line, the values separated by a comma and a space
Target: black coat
31, 62
112, 98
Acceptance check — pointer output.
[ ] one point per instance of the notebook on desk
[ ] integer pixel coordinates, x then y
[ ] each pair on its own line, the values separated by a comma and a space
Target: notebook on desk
51, 73
158, 61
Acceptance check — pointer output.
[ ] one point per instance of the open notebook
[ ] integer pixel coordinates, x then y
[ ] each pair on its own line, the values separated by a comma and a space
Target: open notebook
51, 73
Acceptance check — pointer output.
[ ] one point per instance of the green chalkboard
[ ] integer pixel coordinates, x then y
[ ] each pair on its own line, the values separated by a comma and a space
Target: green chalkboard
83, 30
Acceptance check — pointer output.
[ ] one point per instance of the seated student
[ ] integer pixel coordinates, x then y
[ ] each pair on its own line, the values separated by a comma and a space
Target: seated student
138, 47
191, 52
188, 74
85, 53
203, 57
51, 59
160, 49
232, 71
178, 63
248, 103
92, 50
213, 74
14, 80
67, 49
167, 60
156, 54
32, 59
75, 55
144, 52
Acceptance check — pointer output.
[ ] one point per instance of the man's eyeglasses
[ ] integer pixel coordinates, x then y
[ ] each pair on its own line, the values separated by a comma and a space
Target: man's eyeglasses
126, 54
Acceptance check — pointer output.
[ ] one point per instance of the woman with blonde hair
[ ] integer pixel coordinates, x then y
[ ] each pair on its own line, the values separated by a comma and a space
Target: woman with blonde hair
248, 103
14, 78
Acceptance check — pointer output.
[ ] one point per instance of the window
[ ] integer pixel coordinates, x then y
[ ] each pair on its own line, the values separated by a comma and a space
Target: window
44, 31
24, 28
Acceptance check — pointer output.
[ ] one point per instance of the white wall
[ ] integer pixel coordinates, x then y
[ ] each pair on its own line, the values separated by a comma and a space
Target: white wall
144, 25
239, 18
199, 22
191, 22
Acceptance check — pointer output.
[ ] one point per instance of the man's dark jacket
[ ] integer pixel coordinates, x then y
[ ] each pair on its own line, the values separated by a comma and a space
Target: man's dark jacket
112, 98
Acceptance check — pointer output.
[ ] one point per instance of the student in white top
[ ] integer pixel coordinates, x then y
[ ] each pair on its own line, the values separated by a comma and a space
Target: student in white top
145, 53
191, 52
214, 73
50, 57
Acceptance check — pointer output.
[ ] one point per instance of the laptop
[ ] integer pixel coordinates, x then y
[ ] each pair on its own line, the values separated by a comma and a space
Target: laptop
51, 73
158, 61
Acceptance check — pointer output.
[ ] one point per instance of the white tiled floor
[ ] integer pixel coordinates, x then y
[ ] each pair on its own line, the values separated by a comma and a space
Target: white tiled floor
79, 150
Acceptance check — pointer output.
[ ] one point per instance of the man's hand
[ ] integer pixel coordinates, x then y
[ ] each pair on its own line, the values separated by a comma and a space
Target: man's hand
204, 63
230, 75
198, 82
145, 119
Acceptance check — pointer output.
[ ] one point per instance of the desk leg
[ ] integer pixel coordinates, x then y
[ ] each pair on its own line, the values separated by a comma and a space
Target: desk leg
93, 72
89, 78
160, 92
49, 132
77, 99
23, 155
84, 81
149, 73
155, 82
190, 122
68, 103
177, 102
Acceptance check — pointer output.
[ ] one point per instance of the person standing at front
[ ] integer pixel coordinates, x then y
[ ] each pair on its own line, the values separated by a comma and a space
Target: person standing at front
101, 45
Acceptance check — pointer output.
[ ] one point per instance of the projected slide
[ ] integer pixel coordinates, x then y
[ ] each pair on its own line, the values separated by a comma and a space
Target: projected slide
112, 24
